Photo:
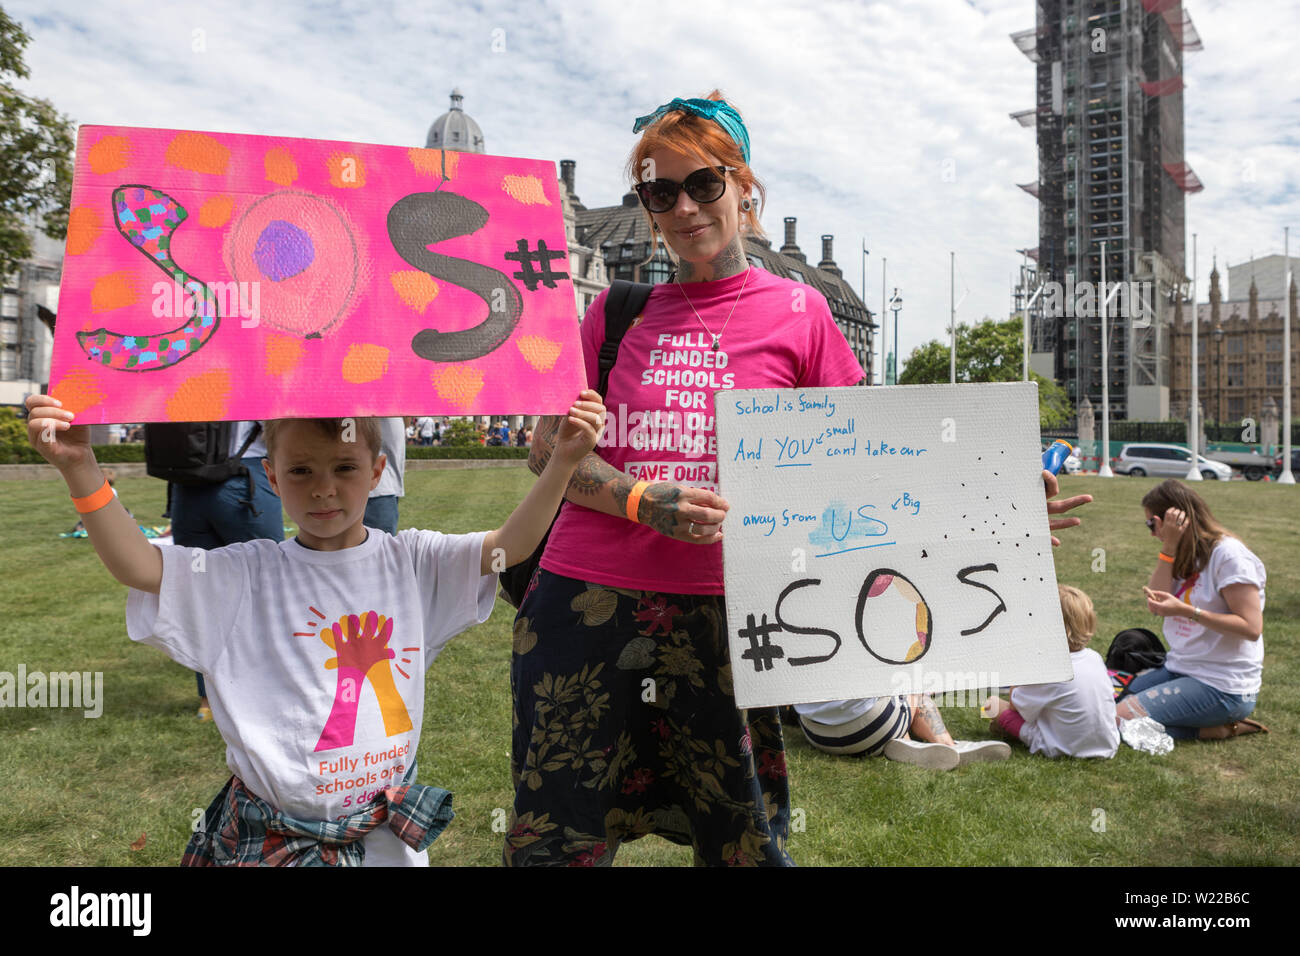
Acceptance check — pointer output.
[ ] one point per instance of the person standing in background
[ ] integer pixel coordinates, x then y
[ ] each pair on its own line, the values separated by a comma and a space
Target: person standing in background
241, 508
381, 508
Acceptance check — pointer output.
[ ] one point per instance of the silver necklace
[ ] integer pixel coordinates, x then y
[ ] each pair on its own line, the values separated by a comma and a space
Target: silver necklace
718, 337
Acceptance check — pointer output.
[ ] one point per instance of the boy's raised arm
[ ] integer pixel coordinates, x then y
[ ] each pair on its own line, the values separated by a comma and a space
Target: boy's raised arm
118, 540
523, 530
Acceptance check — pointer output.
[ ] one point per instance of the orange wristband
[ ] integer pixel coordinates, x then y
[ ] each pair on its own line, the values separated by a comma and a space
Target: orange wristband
95, 500
634, 500
1164, 557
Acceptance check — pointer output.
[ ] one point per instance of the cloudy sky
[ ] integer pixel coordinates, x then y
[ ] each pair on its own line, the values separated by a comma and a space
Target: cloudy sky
855, 109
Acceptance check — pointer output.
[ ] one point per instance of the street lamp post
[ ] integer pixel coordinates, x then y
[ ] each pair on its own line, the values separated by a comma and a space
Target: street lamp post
1194, 438
1103, 471
895, 306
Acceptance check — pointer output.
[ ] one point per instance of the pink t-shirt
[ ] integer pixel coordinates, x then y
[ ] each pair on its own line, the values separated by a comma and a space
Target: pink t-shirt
660, 420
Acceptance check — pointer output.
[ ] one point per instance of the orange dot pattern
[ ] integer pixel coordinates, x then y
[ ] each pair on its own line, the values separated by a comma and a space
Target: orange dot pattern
282, 353
434, 162
279, 165
199, 153
346, 170
215, 211
109, 154
200, 398
78, 390
84, 224
417, 289
525, 189
364, 363
539, 352
114, 291
458, 385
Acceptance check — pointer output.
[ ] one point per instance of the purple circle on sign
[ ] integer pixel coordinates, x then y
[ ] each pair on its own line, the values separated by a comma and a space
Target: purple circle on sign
283, 251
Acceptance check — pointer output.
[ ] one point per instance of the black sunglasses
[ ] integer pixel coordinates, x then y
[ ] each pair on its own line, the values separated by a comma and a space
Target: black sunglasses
1151, 524
704, 186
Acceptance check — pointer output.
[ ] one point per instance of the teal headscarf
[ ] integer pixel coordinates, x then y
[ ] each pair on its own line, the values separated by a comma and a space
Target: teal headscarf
717, 110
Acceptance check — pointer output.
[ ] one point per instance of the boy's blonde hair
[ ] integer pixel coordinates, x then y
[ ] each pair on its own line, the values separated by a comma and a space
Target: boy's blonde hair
1079, 616
365, 430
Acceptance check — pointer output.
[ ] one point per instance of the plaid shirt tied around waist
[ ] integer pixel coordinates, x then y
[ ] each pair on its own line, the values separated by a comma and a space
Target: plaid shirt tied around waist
242, 829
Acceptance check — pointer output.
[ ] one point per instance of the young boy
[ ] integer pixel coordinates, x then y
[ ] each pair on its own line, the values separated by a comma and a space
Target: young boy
1069, 719
315, 648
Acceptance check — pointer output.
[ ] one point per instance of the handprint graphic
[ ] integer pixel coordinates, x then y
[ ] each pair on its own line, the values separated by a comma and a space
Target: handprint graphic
360, 645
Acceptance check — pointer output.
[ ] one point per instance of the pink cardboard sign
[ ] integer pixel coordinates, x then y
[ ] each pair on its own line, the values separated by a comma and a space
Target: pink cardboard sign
215, 277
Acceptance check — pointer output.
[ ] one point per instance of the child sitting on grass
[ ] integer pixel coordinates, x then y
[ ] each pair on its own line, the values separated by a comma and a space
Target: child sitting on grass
315, 648
1073, 718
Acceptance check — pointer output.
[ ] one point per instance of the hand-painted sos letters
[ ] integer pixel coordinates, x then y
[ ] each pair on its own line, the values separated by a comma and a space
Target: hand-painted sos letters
761, 651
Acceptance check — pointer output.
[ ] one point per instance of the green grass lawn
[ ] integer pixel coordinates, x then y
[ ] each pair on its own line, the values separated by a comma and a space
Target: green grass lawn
79, 792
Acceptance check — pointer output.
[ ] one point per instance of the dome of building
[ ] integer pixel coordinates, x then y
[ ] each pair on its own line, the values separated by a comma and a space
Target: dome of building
455, 129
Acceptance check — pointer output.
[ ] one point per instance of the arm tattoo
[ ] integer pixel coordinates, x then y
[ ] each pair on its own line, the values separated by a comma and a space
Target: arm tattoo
659, 507
543, 443
730, 261
594, 473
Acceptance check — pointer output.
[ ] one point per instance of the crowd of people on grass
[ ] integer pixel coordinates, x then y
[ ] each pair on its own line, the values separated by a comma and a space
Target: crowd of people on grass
321, 743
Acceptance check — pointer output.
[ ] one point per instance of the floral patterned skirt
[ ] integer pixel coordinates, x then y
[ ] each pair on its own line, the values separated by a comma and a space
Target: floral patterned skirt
625, 724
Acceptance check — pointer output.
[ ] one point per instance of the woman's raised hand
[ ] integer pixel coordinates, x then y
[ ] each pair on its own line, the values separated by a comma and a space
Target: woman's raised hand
51, 432
686, 514
1169, 529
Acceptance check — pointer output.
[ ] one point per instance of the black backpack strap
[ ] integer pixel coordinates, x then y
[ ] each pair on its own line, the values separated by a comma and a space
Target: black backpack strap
252, 437
623, 304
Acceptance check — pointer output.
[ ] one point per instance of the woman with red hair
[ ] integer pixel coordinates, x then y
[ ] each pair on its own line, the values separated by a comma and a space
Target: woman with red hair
624, 719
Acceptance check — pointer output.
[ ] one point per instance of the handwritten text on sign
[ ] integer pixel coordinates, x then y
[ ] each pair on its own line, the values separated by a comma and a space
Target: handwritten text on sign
886, 541
210, 276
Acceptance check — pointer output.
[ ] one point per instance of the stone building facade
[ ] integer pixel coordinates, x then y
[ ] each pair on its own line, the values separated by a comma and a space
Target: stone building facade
1240, 356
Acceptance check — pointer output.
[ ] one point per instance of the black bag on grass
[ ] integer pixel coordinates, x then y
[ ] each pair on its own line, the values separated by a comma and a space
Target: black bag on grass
623, 304
1135, 650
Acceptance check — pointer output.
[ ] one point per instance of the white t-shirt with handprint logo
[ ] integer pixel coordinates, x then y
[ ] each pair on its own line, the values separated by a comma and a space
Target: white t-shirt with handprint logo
314, 661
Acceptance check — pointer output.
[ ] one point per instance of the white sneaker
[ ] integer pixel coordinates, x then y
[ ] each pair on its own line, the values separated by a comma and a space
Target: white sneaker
982, 751
920, 754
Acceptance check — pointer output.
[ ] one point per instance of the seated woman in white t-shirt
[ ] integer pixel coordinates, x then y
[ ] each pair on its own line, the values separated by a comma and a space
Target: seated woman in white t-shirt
1073, 718
1209, 588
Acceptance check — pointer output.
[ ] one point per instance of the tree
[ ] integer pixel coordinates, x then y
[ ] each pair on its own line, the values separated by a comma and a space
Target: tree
989, 352
36, 147
461, 432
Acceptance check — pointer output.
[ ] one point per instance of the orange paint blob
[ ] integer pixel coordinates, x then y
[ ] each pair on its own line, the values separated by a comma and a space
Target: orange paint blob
279, 165
83, 229
200, 398
417, 289
346, 170
539, 352
198, 153
78, 390
525, 189
109, 155
434, 162
364, 363
114, 291
215, 211
458, 384
282, 353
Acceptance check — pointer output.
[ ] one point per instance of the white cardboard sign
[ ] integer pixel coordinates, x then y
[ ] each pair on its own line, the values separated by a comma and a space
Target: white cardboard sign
886, 540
